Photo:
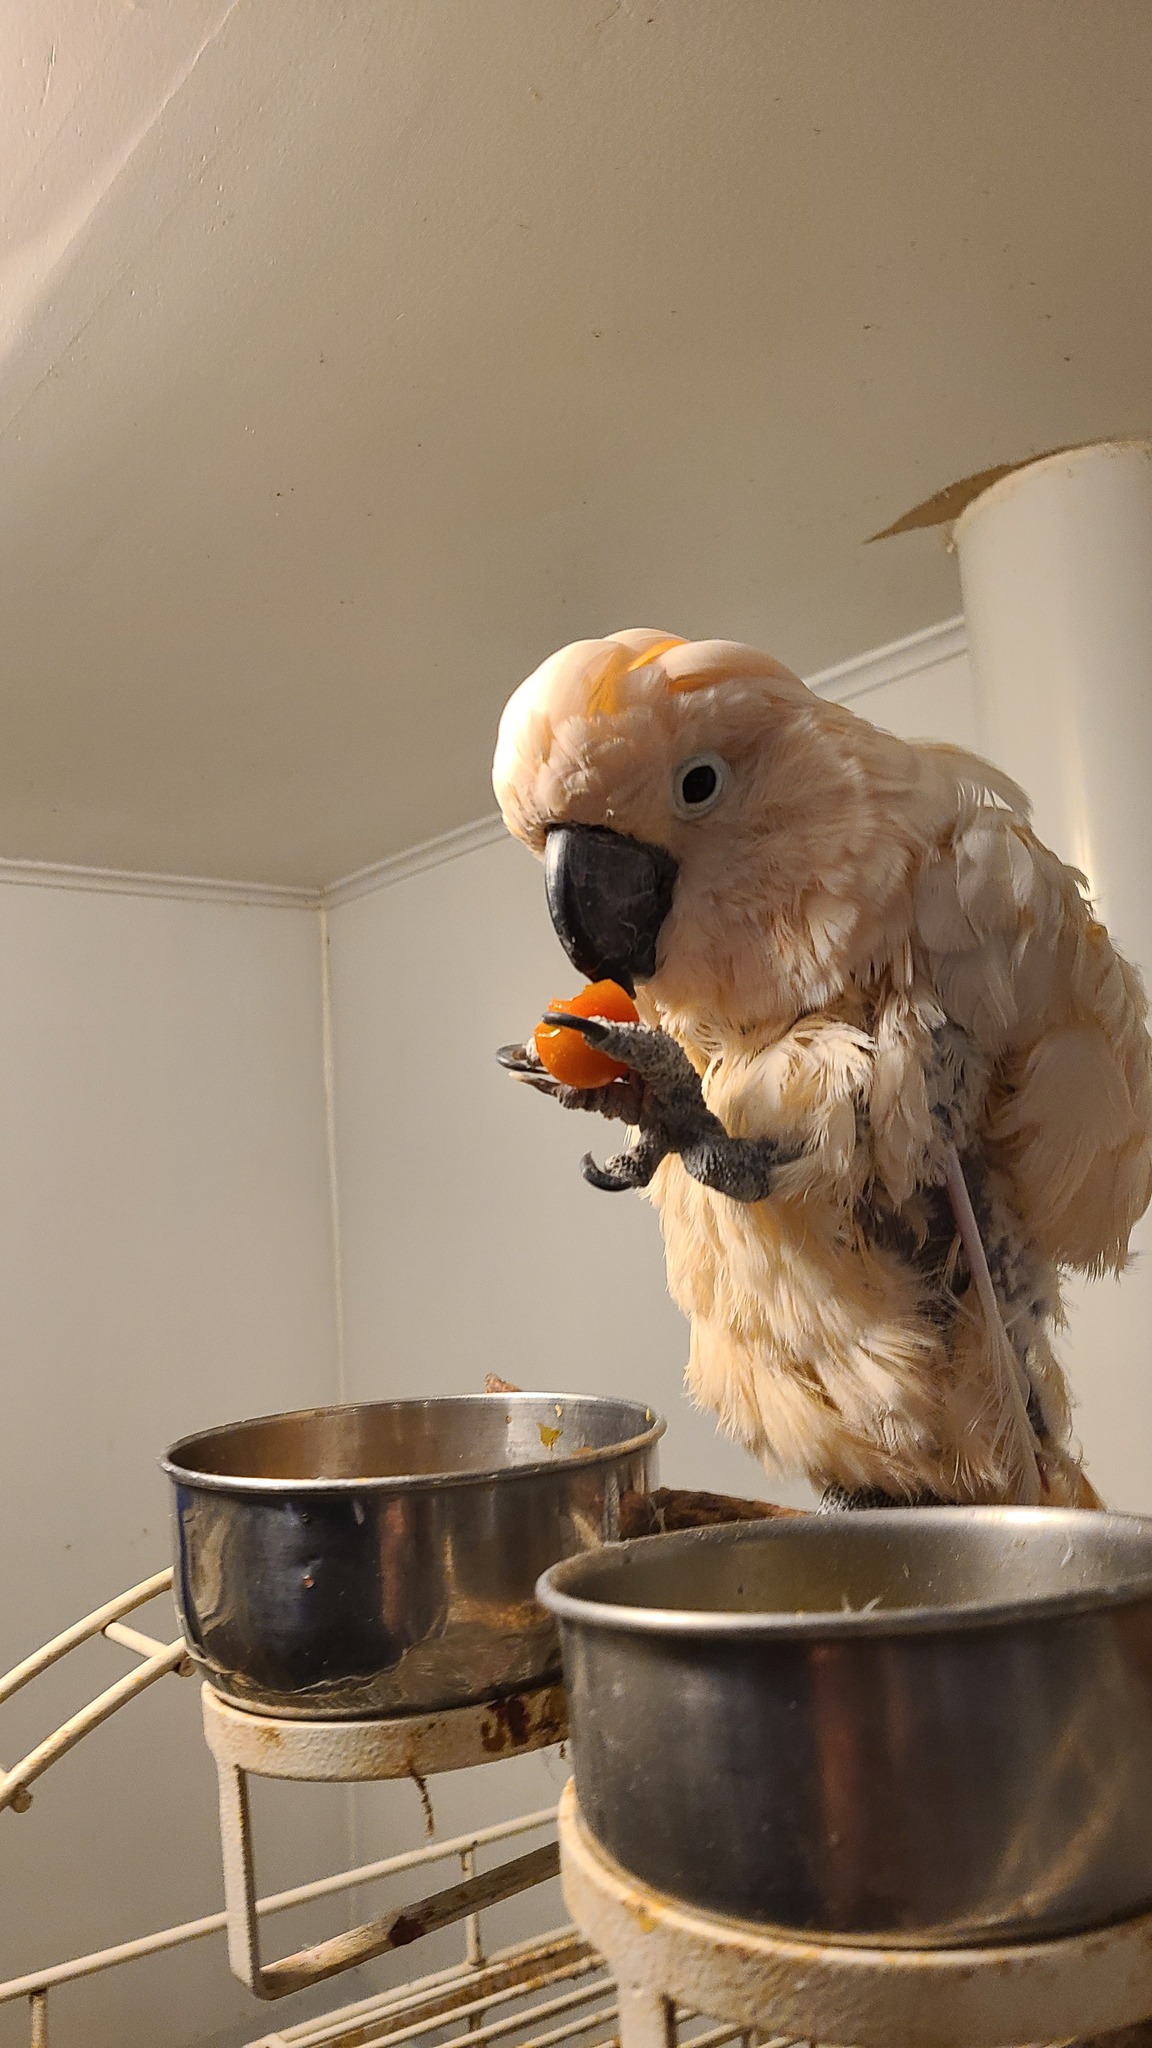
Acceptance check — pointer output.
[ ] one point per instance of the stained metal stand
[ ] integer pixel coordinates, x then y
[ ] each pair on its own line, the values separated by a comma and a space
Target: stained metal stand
664, 1954
411, 1746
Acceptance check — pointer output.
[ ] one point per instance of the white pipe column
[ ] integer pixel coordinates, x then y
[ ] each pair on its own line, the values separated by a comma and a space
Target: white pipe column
1056, 572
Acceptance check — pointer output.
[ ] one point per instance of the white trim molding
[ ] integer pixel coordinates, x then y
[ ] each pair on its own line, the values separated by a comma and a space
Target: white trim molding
41, 874
842, 684
910, 656
431, 853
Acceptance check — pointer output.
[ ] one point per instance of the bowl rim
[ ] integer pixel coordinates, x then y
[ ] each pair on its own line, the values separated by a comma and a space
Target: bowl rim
189, 1475
730, 1625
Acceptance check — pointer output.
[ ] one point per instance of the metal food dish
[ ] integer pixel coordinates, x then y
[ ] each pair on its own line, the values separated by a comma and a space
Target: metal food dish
349, 1562
915, 1727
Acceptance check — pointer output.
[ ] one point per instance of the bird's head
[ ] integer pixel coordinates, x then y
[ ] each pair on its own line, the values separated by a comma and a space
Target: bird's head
709, 827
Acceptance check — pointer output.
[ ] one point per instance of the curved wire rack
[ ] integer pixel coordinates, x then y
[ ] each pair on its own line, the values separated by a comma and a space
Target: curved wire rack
542, 1993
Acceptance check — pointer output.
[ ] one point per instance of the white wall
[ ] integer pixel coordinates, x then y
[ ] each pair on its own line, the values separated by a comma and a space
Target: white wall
165, 1263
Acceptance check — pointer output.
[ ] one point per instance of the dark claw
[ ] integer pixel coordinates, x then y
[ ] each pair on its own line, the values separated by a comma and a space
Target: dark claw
546, 1083
523, 1063
591, 1028
518, 1059
619, 1100
618, 1182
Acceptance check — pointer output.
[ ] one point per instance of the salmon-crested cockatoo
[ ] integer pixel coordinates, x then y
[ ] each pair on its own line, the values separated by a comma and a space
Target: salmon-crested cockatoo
891, 1078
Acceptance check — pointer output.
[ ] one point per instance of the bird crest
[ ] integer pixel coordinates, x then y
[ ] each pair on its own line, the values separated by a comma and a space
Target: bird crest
702, 665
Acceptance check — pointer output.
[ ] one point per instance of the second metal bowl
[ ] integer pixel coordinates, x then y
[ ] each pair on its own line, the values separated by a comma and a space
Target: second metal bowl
349, 1562
922, 1726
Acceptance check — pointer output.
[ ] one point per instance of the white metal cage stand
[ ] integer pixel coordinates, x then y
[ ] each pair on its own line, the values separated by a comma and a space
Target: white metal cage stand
156, 1660
679, 1972
474, 1989
664, 1955
551, 1991
416, 1746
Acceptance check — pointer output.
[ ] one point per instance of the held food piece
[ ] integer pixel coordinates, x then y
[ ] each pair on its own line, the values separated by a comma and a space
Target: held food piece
567, 1056
559, 1059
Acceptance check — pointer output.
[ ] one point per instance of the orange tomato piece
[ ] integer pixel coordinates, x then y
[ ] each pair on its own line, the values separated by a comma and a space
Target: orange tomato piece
567, 1056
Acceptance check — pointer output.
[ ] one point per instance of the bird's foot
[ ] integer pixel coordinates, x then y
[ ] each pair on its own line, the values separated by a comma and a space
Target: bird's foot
837, 1499
671, 1116
631, 1169
620, 1100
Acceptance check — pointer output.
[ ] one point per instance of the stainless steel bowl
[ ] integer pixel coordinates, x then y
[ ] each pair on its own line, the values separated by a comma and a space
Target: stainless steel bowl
346, 1562
914, 1727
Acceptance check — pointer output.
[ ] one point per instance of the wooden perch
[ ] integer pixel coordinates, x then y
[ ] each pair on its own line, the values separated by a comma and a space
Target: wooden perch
674, 1507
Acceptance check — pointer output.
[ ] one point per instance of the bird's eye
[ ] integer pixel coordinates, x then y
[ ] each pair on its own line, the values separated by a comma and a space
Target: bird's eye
699, 784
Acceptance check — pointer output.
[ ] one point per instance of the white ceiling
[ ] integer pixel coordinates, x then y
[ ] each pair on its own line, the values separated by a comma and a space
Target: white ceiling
356, 355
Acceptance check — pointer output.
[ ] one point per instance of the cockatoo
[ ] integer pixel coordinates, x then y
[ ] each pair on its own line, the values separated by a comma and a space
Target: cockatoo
891, 1078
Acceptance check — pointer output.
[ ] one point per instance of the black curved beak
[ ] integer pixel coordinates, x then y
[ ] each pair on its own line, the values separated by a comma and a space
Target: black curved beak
608, 897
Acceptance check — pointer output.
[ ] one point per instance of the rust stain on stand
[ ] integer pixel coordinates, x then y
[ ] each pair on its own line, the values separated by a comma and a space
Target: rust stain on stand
421, 1784
511, 1725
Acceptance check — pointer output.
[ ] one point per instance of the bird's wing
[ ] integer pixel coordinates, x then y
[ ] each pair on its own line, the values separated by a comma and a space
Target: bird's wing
1008, 940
